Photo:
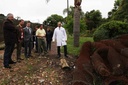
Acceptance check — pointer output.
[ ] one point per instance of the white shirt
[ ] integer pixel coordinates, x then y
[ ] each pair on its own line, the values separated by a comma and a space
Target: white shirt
60, 36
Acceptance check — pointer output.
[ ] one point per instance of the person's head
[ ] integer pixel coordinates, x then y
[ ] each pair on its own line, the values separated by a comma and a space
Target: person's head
41, 26
21, 22
48, 28
10, 16
28, 24
59, 24
36, 27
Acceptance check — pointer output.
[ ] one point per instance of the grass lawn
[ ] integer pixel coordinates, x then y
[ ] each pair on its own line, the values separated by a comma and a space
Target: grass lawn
75, 50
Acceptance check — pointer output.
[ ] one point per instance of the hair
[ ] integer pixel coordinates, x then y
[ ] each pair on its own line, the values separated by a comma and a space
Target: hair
40, 25
21, 20
59, 23
9, 15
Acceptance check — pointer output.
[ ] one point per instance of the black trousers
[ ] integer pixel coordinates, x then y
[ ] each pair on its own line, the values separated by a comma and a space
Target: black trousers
19, 46
36, 43
8, 53
65, 50
48, 45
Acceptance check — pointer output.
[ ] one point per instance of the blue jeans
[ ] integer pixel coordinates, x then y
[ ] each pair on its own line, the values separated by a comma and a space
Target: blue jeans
8, 53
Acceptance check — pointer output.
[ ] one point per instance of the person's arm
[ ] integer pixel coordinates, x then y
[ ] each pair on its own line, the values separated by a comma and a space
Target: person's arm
65, 35
24, 31
18, 33
36, 33
9, 26
44, 33
54, 36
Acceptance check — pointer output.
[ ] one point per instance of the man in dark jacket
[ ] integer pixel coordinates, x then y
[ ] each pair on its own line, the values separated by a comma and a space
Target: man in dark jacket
9, 39
20, 36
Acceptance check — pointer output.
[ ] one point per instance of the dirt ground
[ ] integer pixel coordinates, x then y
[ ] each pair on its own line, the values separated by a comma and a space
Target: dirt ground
37, 70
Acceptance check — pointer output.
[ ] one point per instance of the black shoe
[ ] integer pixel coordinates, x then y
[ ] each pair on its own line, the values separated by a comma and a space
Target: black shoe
58, 56
7, 66
36, 51
12, 62
30, 56
26, 56
66, 56
20, 59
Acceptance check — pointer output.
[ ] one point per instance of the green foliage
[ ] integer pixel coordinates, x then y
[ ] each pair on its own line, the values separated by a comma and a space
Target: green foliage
53, 20
121, 13
93, 19
69, 25
110, 30
70, 11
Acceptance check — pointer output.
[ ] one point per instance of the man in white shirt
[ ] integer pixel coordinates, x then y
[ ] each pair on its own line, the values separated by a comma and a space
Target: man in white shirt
61, 37
40, 33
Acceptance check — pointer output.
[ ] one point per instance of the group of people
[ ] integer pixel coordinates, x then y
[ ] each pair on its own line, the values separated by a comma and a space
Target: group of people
41, 38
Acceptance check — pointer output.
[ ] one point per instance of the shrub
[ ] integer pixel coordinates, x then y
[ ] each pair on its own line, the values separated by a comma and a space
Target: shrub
110, 29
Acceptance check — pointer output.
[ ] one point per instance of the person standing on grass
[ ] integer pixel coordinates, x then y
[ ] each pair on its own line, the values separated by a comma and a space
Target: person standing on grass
41, 36
60, 37
20, 36
28, 39
49, 35
10, 39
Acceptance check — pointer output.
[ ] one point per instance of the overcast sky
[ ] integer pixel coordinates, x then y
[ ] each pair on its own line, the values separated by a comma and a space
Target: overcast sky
39, 10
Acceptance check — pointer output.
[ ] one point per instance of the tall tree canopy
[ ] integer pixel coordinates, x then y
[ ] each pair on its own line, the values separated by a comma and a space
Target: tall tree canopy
53, 20
93, 19
122, 11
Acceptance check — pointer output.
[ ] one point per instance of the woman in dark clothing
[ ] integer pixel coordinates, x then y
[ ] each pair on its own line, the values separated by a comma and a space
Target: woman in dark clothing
35, 39
49, 35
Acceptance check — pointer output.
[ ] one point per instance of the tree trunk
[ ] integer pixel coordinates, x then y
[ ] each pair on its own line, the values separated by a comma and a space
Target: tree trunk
76, 27
67, 7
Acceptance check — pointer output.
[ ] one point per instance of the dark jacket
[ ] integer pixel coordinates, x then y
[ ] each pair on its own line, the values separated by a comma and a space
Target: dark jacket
27, 35
49, 35
10, 32
20, 32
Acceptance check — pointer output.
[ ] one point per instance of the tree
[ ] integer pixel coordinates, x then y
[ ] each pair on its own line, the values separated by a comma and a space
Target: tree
93, 19
76, 26
2, 16
53, 20
116, 6
69, 25
122, 11
71, 12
